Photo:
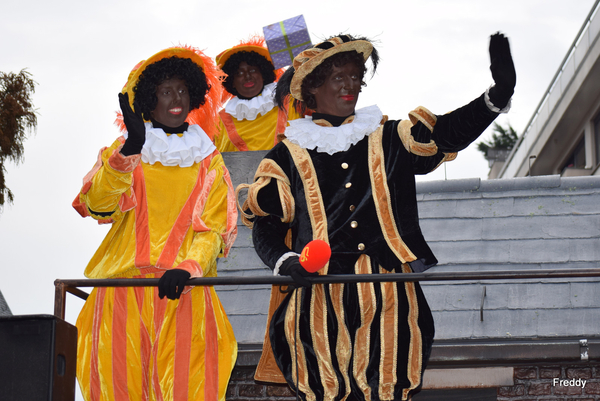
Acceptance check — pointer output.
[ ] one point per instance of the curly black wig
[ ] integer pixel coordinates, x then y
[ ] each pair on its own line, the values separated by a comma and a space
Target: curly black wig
167, 68
251, 58
318, 76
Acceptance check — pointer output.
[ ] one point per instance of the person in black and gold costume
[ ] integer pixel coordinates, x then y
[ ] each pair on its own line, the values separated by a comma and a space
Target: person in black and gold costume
346, 176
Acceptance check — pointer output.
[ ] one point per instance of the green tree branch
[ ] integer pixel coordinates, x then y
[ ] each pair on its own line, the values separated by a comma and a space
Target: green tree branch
17, 117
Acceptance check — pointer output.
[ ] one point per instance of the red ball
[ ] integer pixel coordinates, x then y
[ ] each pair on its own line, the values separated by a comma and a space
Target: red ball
315, 255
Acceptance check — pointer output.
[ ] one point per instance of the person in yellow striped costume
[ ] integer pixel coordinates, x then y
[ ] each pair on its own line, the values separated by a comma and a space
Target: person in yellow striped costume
167, 193
250, 119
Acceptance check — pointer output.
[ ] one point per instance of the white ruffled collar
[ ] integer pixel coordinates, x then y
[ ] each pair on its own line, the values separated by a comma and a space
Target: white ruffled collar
174, 150
249, 109
305, 133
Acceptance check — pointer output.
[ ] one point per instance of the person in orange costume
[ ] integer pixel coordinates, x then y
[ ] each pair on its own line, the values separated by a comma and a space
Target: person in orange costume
167, 193
250, 119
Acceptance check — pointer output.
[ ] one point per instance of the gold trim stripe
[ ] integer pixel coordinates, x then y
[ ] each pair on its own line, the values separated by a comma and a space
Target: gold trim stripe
415, 350
267, 369
368, 306
288, 203
448, 157
292, 334
320, 338
343, 348
424, 115
318, 219
382, 199
267, 170
418, 148
412, 146
312, 191
388, 339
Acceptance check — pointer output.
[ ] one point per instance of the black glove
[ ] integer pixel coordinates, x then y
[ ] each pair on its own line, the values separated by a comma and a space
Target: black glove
136, 131
503, 71
172, 283
292, 267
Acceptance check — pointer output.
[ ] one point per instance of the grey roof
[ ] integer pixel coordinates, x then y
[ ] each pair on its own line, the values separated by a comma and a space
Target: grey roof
4, 309
545, 222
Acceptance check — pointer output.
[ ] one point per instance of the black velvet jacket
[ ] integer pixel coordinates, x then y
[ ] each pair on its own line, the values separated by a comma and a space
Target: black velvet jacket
348, 196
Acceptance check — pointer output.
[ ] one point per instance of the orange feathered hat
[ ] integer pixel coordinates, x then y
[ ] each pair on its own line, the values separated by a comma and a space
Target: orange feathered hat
255, 43
206, 115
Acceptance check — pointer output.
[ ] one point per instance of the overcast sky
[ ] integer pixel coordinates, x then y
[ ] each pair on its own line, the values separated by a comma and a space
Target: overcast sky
433, 53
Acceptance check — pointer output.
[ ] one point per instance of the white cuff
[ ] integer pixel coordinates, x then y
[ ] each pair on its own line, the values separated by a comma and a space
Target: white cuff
491, 106
281, 260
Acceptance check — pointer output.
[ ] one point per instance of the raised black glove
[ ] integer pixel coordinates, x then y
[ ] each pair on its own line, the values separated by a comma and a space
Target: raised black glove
136, 131
292, 267
503, 71
172, 283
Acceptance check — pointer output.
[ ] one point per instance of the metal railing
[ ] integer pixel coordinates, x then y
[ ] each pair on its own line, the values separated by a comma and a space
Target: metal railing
72, 286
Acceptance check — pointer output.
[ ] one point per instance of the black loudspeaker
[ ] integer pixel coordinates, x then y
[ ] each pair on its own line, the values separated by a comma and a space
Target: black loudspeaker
38, 355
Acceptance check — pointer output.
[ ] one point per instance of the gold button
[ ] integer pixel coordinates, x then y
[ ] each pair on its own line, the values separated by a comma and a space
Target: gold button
348, 184
352, 208
361, 247
344, 166
354, 224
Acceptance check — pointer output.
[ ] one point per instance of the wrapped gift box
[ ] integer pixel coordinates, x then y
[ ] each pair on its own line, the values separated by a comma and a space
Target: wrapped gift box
286, 39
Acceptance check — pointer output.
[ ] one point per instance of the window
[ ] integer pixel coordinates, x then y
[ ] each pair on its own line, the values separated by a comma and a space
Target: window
577, 158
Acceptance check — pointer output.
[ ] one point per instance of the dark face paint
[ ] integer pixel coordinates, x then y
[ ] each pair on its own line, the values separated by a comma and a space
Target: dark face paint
173, 104
248, 80
339, 93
